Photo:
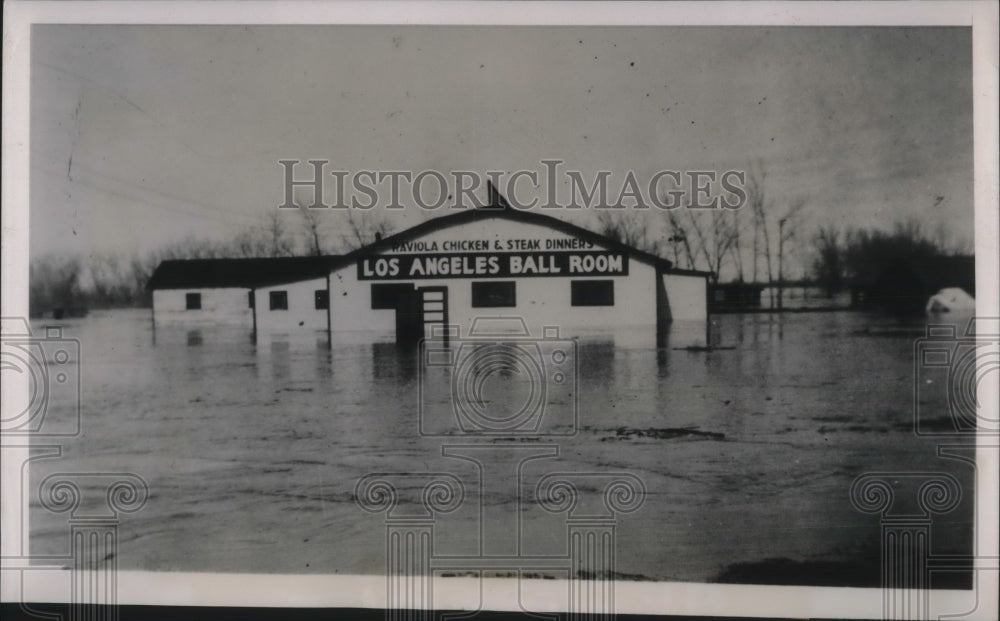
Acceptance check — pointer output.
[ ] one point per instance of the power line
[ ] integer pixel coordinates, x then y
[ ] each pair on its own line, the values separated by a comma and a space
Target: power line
138, 200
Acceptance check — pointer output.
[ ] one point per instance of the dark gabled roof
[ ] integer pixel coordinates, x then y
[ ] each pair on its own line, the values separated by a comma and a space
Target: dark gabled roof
193, 273
499, 208
248, 273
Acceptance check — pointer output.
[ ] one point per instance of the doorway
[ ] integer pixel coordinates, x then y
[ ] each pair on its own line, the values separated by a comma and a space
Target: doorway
421, 313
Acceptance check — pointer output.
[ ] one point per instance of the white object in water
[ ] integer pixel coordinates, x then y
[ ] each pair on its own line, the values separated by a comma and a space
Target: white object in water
949, 300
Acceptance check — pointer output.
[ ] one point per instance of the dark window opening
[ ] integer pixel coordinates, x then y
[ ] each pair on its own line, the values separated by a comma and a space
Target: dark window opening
322, 299
493, 294
386, 296
250, 299
592, 293
192, 301
279, 300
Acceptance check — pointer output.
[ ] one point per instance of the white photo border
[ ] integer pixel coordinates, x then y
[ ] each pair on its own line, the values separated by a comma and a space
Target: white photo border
335, 591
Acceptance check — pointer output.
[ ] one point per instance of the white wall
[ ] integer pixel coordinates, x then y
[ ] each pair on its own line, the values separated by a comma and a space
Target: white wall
541, 300
686, 297
228, 306
301, 314
351, 305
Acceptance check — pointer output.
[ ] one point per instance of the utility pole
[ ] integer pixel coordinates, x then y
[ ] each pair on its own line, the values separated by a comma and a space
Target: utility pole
781, 262
674, 239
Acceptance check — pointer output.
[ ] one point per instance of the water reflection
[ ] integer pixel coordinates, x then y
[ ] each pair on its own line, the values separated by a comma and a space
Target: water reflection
663, 361
501, 386
279, 359
596, 360
292, 362
762, 432
393, 363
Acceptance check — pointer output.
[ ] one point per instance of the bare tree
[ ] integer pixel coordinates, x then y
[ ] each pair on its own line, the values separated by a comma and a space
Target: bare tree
310, 226
141, 269
250, 242
105, 281
268, 237
758, 202
771, 231
280, 239
191, 248
946, 239
311, 229
715, 235
828, 264
737, 250
53, 282
787, 226
677, 236
364, 228
627, 227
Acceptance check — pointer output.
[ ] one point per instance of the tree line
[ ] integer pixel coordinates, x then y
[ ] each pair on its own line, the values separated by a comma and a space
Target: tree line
108, 280
772, 241
744, 245
768, 241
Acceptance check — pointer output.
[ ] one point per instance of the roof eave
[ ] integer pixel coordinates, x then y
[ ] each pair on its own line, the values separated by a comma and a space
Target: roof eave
472, 215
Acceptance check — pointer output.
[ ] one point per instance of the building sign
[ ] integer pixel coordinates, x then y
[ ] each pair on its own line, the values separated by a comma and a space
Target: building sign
492, 265
533, 244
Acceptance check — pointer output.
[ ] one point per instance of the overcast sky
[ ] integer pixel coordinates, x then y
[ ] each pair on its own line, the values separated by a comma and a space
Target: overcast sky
142, 135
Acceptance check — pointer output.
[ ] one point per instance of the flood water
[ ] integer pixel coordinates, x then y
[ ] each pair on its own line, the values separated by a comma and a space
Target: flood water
747, 452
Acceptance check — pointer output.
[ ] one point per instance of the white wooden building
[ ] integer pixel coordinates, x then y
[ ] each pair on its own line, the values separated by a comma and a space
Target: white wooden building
491, 261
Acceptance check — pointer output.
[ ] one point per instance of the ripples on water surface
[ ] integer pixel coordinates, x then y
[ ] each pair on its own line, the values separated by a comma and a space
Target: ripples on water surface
747, 452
